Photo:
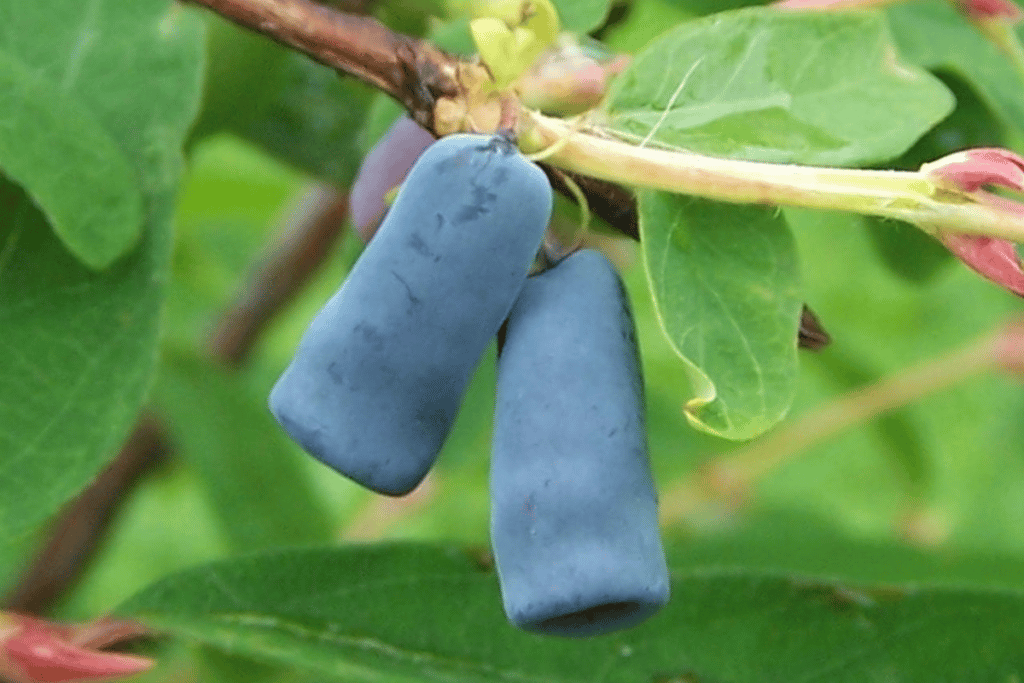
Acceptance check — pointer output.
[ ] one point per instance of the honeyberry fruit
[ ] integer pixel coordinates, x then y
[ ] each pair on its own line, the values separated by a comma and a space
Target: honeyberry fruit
378, 377
574, 522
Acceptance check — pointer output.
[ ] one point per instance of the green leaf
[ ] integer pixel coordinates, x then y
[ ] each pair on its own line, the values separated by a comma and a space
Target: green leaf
78, 347
406, 612
644, 22
293, 108
702, 7
764, 85
216, 666
795, 542
726, 287
55, 148
259, 489
934, 35
581, 16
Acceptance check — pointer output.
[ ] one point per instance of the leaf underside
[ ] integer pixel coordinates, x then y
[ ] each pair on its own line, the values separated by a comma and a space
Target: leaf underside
726, 288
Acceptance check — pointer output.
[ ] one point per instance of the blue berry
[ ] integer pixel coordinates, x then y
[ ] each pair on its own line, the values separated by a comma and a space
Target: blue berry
574, 522
378, 377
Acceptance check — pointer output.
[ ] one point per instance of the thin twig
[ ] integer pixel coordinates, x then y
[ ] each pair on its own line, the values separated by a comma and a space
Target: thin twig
412, 71
729, 478
76, 534
280, 274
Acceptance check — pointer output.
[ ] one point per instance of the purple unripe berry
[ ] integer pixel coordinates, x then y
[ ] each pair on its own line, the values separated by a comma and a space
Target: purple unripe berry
383, 169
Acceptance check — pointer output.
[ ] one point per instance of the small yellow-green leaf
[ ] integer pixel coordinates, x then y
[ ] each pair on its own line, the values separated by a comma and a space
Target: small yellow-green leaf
511, 34
543, 21
497, 49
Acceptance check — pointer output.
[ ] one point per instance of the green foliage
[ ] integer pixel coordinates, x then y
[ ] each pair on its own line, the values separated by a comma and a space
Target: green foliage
78, 347
50, 138
791, 542
581, 16
104, 308
764, 85
230, 439
408, 612
726, 285
283, 103
933, 35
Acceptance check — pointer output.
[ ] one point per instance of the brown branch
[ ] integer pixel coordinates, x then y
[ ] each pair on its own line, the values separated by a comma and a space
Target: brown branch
412, 71
309, 235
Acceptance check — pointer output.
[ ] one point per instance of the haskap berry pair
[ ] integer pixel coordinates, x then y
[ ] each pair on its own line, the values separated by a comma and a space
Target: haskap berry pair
377, 380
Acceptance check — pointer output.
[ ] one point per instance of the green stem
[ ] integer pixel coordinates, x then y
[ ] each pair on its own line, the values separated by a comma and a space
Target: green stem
904, 195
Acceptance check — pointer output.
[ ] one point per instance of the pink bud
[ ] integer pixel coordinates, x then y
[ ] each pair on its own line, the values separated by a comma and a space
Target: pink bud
995, 259
989, 9
33, 650
565, 84
971, 169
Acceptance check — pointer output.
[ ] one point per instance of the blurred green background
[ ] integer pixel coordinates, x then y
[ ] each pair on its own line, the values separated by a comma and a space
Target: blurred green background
930, 493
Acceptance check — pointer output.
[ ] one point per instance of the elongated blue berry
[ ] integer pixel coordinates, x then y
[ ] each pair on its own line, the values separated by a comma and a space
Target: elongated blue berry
377, 379
574, 521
